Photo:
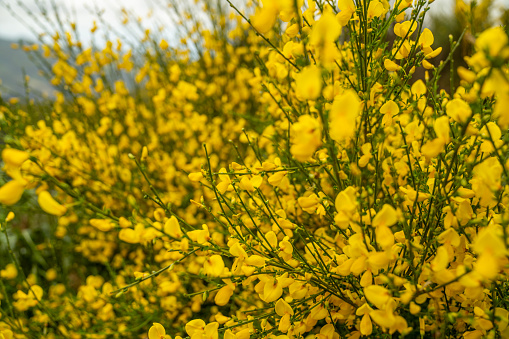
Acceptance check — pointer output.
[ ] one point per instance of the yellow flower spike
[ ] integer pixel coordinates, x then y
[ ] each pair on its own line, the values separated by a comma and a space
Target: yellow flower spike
157, 331
308, 83
343, 115
102, 224
213, 266
50, 205
11, 192
224, 294
172, 228
377, 295
195, 326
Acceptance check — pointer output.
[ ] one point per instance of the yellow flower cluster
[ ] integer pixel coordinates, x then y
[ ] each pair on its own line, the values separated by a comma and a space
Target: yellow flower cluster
280, 177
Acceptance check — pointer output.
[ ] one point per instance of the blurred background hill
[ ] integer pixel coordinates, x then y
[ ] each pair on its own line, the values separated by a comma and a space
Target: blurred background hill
13, 64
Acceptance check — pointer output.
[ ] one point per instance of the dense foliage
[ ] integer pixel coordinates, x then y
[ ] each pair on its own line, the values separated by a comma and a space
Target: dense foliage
278, 173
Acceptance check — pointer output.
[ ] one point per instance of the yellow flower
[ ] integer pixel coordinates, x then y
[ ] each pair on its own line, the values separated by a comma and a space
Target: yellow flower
306, 138
326, 29
157, 331
308, 83
11, 192
265, 18
377, 295
102, 224
213, 266
172, 228
391, 65
10, 272
441, 260
492, 41
195, 326
458, 110
196, 176
14, 157
343, 114
50, 205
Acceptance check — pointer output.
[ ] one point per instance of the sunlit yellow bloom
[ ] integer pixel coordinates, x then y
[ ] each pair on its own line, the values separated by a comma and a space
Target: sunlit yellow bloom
11, 192
50, 205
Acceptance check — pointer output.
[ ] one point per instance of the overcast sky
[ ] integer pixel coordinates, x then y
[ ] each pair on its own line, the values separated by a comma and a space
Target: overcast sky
82, 12
79, 11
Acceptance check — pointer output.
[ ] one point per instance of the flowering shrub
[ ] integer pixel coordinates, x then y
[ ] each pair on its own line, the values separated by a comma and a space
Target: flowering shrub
284, 177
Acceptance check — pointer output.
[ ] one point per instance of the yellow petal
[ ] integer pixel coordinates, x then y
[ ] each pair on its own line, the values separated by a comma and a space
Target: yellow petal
50, 205
343, 115
214, 266
385, 217
157, 331
223, 295
377, 295
102, 224
14, 157
129, 235
366, 325
11, 192
196, 176
441, 260
196, 325
172, 228
282, 308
